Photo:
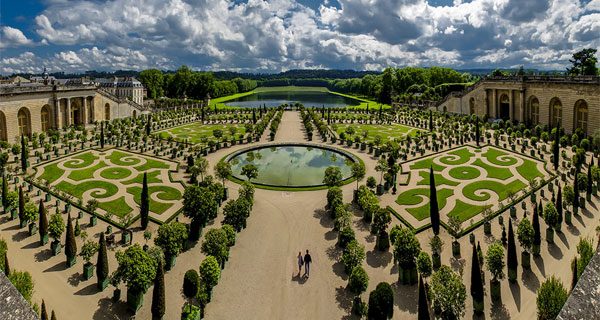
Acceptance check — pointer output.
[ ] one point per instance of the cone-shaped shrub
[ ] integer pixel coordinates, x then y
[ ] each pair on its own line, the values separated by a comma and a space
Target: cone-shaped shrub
144, 203
102, 262
537, 236
511, 256
43, 222
423, 313
70, 245
434, 211
476, 283
158, 294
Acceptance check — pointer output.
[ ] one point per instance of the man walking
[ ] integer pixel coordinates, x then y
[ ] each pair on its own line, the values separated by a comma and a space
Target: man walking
307, 262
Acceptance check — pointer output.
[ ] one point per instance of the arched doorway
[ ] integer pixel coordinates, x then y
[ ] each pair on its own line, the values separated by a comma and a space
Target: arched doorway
534, 110
107, 111
3, 134
76, 111
445, 109
134, 113
24, 121
555, 112
581, 115
472, 106
504, 107
46, 118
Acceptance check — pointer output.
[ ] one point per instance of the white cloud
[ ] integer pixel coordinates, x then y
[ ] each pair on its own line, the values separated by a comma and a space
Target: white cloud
12, 37
258, 35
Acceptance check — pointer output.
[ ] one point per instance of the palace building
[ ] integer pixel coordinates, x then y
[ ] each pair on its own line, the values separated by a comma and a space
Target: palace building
26, 108
574, 102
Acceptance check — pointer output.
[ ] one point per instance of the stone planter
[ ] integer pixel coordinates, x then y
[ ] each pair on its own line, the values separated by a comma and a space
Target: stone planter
71, 261
407, 276
55, 247
43, 240
550, 235
495, 290
535, 249
170, 262
116, 295
13, 214
478, 306
126, 237
568, 217
22, 224
134, 300
108, 229
33, 229
487, 228
526, 260
472, 238
436, 261
48, 197
533, 197
379, 189
88, 271
513, 211
93, 220
456, 248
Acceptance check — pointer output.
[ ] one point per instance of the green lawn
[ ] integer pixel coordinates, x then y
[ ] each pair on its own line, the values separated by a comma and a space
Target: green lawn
494, 172
464, 173
493, 155
52, 172
115, 173
200, 133
81, 160
466, 211
529, 170
164, 193
414, 196
500, 189
439, 180
463, 154
87, 173
426, 164
386, 132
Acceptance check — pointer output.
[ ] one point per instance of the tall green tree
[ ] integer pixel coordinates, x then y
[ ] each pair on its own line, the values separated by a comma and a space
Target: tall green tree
333, 176
44, 313
24, 153
70, 244
537, 235
381, 302
158, 294
448, 293
476, 283
4, 192
430, 120
590, 180
102, 272
43, 218
137, 269
423, 311
559, 208
556, 147
145, 203
171, 238
576, 190
198, 204
551, 297
434, 211
511, 254
477, 130
102, 134
153, 81
22, 218
584, 63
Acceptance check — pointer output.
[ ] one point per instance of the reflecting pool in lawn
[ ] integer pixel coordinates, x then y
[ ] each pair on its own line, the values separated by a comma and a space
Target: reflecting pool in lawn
307, 98
291, 165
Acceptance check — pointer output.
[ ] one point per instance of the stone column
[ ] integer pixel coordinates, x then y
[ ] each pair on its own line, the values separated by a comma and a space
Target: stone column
522, 101
68, 113
494, 104
84, 111
57, 114
511, 107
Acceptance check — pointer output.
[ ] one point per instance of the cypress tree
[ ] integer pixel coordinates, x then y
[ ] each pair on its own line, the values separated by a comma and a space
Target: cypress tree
70, 245
102, 134
576, 190
158, 294
480, 255
43, 313
102, 262
148, 125
559, 208
512, 264
21, 206
430, 121
556, 146
24, 154
434, 212
476, 282
43, 223
4, 192
6, 264
53, 317
145, 203
423, 303
537, 237
589, 179
477, 130
574, 279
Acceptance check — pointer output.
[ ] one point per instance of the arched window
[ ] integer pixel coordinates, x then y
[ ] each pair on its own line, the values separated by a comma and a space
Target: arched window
581, 115
3, 135
134, 113
46, 120
534, 110
555, 112
107, 111
24, 122
472, 106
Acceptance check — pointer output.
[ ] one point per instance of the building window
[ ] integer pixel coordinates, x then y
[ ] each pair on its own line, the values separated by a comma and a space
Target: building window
581, 110
534, 109
107, 112
45, 119
555, 112
23, 121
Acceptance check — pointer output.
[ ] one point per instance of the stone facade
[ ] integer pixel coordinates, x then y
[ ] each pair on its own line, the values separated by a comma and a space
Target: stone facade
126, 88
12, 304
584, 300
28, 109
572, 101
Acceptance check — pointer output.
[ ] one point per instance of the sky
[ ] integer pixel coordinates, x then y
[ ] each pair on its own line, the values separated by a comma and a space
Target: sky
279, 35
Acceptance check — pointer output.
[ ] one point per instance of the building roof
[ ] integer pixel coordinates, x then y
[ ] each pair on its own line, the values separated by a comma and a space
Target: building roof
12, 304
584, 301
119, 82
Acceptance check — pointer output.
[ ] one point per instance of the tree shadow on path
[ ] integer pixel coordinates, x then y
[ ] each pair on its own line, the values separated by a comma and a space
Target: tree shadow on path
406, 297
109, 310
515, 289
530, 280
499, 312
539, 262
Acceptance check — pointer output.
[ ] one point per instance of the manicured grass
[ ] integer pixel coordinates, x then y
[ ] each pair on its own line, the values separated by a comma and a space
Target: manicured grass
466, 211
500, 173
123, 159
52, 172
152, 164
463, 154
88, 173
77, 190
464, 173
118, 207
386, 132
115, 173
416, 196
153, 177
493, 155
164, 193
84, 160
439, 180
197, 132
500, 189
529, 170
426, 164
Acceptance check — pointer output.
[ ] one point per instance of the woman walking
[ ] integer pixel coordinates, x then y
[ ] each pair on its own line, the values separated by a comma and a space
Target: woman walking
300, 262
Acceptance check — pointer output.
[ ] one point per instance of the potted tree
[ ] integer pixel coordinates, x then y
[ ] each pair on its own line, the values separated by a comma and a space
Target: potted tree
495, 264
455, 226
406, 250
88, 250
223, 171
30, 216
436, 245
487, 216
551, 217
56, 227
137, 270
43, 218
171, 238
525, 234
91, 207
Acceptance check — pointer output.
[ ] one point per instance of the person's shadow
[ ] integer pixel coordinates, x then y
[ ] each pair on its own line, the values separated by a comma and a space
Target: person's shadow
301, 279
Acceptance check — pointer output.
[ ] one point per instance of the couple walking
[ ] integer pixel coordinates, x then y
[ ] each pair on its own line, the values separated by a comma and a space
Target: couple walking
306, 260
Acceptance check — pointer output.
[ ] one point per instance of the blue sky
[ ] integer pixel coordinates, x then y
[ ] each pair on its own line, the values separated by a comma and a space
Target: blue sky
276, 35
